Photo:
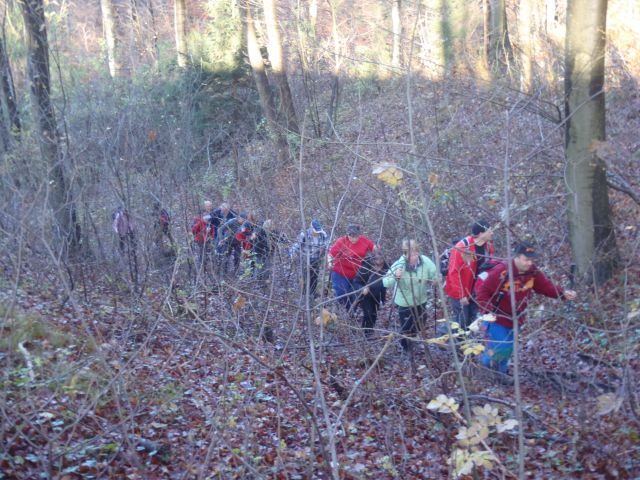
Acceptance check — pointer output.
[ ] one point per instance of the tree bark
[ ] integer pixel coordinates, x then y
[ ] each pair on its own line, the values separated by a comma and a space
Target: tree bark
278, 61
590, 227
59, 197
500, 44
264, 90
8, 95
526, 26
180, 25
109, 26
396, 28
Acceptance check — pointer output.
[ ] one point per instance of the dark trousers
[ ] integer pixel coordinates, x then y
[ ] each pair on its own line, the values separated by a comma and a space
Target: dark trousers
314, 271
412, 319
464, 315
369, 305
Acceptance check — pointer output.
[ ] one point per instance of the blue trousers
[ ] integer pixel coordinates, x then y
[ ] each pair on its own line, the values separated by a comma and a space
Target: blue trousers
498, 347
343, 289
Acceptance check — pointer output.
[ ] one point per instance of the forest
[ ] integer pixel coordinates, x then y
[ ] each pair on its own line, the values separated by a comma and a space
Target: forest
148, 332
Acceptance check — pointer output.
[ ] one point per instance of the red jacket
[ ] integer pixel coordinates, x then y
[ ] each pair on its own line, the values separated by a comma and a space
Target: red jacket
244, 237
461, 275
202, 231
491, 300
348, 256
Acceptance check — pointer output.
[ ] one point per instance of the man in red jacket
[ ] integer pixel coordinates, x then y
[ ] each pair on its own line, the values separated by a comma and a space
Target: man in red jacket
465, 259
494, 297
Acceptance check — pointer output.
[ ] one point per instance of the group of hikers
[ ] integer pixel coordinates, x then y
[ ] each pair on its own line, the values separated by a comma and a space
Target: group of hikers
476, 281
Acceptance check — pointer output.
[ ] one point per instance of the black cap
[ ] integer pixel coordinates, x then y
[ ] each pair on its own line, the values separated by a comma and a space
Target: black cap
527, 249
479, 226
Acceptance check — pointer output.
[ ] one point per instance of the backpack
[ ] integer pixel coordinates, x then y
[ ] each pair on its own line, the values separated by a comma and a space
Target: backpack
444, 256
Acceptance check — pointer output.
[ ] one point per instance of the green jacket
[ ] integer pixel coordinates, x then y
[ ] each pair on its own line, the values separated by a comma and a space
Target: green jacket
413, 287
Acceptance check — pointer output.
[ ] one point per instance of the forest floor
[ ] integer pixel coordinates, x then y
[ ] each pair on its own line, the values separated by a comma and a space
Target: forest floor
169, 384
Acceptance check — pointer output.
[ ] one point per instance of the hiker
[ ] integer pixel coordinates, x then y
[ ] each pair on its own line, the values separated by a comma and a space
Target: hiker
203, 236
227, 244
344, 259
312, 244
373, 292
124, 228
494, 297
222, 215
264, 241
411, 277
162, 226
465, 259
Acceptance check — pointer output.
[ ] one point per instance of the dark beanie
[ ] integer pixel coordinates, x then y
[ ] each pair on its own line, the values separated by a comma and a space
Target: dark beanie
479, 226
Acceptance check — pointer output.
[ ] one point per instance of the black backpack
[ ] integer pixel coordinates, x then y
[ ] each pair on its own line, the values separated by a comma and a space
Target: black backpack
444, 256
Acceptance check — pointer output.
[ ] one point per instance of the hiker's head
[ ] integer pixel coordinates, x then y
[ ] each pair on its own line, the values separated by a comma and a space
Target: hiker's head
208, 205
410, 250
242, 217
267, 225
481, 231
316, 226
353, 232
377, 260
524, 256
224, 208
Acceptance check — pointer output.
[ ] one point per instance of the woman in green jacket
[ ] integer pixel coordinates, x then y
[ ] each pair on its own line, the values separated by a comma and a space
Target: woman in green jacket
410, 277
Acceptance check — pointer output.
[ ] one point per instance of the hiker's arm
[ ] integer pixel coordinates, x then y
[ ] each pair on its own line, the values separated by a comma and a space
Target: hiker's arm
546, 287
489, 289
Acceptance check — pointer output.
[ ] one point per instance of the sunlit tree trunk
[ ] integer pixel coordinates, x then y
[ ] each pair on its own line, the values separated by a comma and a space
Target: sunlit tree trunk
590, 226
8, 96
59, 196
526, 26
396, 28
500, 45
262, 84
154, 34
332, 111
109, 26
180, 25
486, 30
277, 59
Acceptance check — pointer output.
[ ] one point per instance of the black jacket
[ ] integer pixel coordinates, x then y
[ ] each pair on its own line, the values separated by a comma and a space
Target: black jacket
368, 277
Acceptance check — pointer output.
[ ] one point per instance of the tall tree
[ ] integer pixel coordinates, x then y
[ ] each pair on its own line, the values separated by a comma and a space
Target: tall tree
500, 45
590, 226
396, 29
109, 26
8, 94
277, 59
262, 84
526, 27
59, 197
180, 25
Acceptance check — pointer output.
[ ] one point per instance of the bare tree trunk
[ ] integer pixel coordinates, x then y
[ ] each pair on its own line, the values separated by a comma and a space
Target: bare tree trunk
396, 28
8, 94
590, 227
332, 113
180, 25
111, 37
59, 197
500, 44
154, 35
486, 31
262, 84
278, 61
526, 26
